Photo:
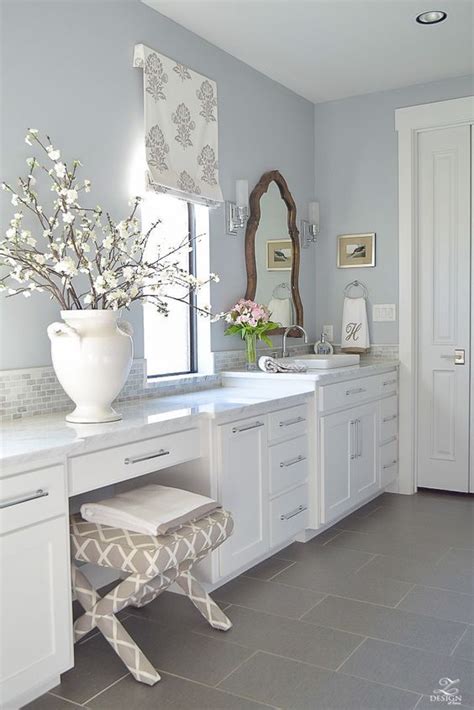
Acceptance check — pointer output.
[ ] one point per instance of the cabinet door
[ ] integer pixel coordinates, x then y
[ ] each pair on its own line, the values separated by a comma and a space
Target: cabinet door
364, 465
243, 476
336, 452
35, 608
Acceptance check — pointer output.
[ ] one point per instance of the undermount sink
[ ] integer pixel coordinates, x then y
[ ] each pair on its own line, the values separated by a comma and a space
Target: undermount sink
326, 362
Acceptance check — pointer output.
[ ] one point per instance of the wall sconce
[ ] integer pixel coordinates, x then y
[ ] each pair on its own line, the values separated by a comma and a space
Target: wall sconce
310, 229
237, 212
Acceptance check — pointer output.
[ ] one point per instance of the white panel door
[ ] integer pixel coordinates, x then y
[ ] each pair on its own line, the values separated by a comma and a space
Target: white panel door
35, 608
364, 467
337, 452
243, 481
444, 178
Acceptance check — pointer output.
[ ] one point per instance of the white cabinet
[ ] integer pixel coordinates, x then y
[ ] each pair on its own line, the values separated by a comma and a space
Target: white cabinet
364, 466
336, 451
262, 471
243, 489
349, 459
35, 598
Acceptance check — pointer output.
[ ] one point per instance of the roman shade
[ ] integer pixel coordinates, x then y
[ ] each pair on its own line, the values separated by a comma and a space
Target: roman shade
180, 128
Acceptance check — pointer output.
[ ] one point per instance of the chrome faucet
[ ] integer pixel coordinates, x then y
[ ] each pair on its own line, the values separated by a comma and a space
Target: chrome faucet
284, 352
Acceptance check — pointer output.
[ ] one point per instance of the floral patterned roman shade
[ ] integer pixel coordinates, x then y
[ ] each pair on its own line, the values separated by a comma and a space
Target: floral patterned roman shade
180, 128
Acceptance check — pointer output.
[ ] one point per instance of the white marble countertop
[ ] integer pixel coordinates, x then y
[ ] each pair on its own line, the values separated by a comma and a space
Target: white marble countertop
321, 377
39, 440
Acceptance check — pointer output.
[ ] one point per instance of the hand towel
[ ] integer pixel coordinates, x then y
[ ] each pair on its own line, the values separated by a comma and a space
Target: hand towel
151, 509
269, 364
280, 308
355, 327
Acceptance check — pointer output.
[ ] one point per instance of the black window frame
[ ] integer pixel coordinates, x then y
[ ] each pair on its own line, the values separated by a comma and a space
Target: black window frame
193, 330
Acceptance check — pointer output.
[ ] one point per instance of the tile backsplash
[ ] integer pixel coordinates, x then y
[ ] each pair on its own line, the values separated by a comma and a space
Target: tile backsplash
33, 391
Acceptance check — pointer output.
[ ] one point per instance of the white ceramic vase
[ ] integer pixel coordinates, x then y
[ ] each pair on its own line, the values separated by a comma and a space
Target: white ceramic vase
92, 354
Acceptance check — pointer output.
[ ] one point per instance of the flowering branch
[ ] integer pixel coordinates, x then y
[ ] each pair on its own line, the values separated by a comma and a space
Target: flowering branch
78, 245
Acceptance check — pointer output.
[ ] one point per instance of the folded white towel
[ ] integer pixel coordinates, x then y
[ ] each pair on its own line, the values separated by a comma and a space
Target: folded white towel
151, 510
269, 364
355, 327
280, 308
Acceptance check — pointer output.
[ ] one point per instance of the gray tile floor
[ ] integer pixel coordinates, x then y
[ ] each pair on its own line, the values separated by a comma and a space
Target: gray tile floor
371, 615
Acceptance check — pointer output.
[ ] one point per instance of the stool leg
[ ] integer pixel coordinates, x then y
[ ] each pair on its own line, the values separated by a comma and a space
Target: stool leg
99, 612
126, 648
153, 588
203, 602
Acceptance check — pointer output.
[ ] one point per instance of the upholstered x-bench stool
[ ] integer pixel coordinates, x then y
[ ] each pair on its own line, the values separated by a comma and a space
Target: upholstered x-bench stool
153, 564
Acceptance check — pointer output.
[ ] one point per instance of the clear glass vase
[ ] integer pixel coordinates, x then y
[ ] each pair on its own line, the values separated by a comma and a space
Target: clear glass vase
251, 351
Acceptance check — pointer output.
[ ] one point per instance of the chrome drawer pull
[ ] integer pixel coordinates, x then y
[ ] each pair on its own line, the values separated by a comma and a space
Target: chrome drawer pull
289, 422
291, 514
389, 382
356, 390
389, 465
238, 429
390, 419
40, 493
291, 462
138, 459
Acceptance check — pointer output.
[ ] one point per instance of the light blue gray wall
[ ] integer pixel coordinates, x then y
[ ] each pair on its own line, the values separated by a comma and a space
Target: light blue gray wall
357, 185
67, 69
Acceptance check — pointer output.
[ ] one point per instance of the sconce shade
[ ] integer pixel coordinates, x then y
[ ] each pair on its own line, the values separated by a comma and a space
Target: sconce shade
313, 213
242, 193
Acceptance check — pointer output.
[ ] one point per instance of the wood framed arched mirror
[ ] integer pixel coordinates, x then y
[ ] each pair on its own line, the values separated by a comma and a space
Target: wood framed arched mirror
272, 251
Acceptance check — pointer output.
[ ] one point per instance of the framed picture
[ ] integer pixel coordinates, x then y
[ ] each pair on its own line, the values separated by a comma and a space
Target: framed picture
279, 254
355, 250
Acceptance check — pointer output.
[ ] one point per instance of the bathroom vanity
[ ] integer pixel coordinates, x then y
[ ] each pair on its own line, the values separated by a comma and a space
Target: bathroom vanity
288, 455
354, 432
217, 442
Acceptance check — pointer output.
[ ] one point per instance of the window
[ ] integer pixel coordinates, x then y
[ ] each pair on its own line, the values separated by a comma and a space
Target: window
171, 342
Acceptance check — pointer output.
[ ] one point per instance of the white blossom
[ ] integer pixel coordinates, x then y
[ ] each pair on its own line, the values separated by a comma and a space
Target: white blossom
53, 154
66, 266
68, 217
60, 170
122, 230
15, 199
71, 196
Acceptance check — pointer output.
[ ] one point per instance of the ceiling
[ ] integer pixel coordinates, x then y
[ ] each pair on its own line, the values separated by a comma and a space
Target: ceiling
331, 49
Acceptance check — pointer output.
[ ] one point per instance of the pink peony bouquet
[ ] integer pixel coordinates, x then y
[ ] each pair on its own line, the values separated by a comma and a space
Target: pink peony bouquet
252, 321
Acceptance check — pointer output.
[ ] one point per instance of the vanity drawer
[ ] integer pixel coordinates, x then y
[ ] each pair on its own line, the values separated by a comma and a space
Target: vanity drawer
388, 463
288, 515
388, 383
288, 464
346, 394
287, 423
32, 497
120, 463
388, 419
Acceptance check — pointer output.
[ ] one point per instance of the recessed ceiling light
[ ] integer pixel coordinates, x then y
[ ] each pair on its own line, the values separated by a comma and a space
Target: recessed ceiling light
432, 17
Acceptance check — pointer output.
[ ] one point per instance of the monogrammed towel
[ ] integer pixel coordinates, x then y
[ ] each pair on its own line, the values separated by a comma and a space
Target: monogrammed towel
355, 327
